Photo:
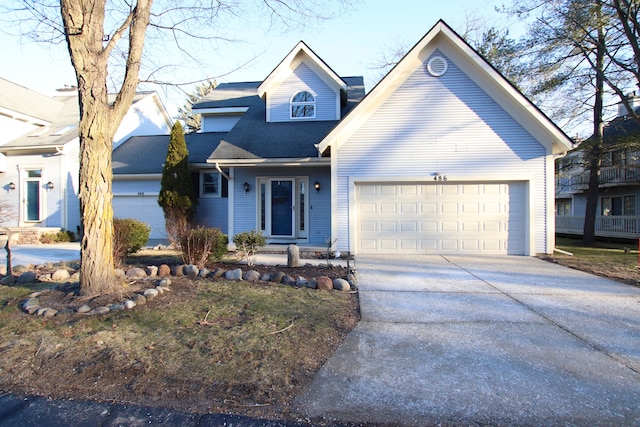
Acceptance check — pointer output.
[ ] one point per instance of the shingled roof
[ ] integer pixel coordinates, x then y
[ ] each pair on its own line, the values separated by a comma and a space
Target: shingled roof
252, 138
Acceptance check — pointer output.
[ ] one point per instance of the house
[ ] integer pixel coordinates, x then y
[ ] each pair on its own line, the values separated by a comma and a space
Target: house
39, 154
618, 213
443, 155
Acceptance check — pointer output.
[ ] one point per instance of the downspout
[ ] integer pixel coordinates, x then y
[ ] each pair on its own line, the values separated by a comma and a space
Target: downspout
222, 173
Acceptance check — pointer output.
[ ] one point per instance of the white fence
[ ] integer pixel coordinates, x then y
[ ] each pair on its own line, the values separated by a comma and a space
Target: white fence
606, 226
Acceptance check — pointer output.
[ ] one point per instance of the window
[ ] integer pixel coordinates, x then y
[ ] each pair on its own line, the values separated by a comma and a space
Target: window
303, 105
210, 184
620, 205
563, 208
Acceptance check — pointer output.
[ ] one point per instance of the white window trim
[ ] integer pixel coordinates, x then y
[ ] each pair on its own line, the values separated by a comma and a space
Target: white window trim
201, 185
314, 103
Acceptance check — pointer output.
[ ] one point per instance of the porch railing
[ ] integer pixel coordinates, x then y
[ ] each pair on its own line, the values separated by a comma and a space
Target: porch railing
609, 176
606, 226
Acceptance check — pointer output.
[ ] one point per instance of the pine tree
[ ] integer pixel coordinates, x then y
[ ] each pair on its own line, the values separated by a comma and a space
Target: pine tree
177, 198
192, 122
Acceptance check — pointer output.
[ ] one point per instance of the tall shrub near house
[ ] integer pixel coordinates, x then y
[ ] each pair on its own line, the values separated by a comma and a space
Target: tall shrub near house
177, 197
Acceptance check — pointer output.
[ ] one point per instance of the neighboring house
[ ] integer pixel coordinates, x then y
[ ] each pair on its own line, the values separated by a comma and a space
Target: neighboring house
442, 156
618, 211
39, 154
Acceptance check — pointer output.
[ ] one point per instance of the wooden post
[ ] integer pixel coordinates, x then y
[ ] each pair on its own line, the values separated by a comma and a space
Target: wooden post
293, 256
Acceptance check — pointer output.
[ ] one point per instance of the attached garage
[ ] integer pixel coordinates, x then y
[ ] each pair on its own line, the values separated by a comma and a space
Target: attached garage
144, 208
441, 217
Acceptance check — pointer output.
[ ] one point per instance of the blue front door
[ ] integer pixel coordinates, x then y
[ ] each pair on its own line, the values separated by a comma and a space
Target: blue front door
282, 208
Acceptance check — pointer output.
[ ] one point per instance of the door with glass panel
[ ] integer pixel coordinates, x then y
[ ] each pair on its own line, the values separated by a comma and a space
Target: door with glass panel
31, 196
282, 207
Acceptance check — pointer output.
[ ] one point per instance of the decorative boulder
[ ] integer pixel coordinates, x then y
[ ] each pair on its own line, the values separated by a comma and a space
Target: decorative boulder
341, 285
265, 277
277, 277
293, 256
313, 283
150, 294
218, 273
178, 270
301, 281
8, 281
60, 274
84, 308
27, 277
191, 271
119, 272
164, 270
139, 299
325, 283
136, 272
204, 272
152, 270
288, 280
251, 276
233, 274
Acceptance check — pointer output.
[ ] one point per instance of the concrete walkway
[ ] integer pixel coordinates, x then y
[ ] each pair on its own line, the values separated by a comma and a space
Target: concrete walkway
489, 340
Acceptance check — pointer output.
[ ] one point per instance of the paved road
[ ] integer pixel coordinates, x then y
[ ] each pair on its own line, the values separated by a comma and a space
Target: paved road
488, 340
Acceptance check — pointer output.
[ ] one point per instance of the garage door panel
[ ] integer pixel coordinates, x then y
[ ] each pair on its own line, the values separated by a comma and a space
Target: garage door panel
441, 217
143, 208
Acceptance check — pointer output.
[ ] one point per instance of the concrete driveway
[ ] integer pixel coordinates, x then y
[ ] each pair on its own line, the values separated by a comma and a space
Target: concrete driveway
459, 340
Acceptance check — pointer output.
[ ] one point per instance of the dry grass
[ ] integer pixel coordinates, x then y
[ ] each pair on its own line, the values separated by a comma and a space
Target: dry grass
205, 346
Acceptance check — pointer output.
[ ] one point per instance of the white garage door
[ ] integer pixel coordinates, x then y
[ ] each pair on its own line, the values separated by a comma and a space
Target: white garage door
441, 218
142, 208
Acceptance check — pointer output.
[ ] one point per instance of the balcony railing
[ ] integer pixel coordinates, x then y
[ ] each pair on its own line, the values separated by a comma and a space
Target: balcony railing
627, 227
609, 177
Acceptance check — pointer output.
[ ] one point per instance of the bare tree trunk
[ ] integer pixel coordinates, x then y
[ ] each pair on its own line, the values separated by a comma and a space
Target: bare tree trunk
595, 151
99, 120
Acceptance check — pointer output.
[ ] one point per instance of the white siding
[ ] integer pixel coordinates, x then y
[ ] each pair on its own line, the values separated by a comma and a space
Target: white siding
303, 78
145, 117
219, 123
441, 124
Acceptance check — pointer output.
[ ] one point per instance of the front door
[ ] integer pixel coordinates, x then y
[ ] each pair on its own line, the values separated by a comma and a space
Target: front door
282, 208
31, 196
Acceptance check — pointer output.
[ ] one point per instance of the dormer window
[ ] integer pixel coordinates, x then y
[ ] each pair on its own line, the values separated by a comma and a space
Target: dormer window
303, 105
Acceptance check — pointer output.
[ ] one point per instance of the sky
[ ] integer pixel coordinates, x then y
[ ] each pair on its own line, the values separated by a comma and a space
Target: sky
351, 45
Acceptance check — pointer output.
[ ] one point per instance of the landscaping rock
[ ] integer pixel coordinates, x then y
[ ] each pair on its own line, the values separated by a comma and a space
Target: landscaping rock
20, 268
341, 285
49, 312
301, 281
218, 273
8, 281
191, 271
60, 275
266, 277
31, 305
277, 277
293, 256
3, 270
163, 289
75, 276
288, 280
139, 299
204, 272
251, 276
313, 283
136, 272
164, 270
163, 282
119, 272
27, 277
152, 271
98, 311
44, 277
116, 307
325, 283
233, 274
128, 304
84, 309
352, 279
65, 312
150, 294
178, 270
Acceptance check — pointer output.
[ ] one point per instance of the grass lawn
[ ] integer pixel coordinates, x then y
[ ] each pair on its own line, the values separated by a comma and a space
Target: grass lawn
614, 260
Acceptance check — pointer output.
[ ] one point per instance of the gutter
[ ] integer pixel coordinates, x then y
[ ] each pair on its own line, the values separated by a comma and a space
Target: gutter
222, 173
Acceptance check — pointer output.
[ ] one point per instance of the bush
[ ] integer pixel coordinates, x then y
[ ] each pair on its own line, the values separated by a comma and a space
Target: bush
60, 236
129, 235
202, 244
248, 243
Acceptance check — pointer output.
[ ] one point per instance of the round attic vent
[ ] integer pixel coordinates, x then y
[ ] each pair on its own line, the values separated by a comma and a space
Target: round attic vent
437, 66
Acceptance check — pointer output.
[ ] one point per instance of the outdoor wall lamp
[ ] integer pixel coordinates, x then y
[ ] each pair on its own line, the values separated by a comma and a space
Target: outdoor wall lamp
316, 185
12, 186
246, 187
50, 185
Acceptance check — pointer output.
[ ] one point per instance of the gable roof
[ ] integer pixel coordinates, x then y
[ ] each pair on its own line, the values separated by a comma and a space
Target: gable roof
28, 103
299, 54
63, 125
445, 39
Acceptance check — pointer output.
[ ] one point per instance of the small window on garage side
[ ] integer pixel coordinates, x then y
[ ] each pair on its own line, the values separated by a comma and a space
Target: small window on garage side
303, 105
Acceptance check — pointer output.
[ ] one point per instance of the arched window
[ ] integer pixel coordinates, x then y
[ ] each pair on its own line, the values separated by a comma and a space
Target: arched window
303, 105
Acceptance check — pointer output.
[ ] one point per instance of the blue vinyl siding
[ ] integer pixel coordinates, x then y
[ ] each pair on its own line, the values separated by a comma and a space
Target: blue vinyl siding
319, 212
441, 124
303, 78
